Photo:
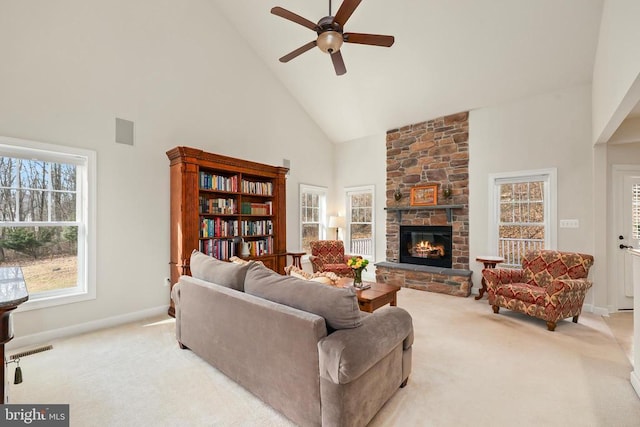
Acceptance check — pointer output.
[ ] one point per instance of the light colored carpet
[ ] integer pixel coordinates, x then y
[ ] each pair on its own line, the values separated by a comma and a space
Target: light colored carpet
621, 325
470, 368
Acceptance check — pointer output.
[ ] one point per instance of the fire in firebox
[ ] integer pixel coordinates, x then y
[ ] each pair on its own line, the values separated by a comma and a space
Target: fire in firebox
426, 249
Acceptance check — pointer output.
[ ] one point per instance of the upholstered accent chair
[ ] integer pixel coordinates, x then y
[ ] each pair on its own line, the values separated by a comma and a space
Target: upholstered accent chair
551, 285
328, 255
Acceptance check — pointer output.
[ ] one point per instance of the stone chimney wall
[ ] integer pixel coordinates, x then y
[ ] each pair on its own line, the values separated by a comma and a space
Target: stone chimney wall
431, 152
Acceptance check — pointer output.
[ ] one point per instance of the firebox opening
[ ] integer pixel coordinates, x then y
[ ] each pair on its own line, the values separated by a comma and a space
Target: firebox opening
426, 245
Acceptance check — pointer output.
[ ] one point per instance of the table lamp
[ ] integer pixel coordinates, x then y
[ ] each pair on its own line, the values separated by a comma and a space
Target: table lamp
337, 222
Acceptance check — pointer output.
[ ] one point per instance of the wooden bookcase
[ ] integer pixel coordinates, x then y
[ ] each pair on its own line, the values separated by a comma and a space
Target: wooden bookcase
215, 199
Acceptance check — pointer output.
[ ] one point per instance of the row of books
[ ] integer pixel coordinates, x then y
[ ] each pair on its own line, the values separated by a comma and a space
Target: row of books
217, 227
221, 249
262, 188
248, 208
256, 228
210, 181
217, 206
261, 247
225, 248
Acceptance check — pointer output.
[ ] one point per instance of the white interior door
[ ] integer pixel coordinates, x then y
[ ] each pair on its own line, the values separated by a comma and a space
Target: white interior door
628, 233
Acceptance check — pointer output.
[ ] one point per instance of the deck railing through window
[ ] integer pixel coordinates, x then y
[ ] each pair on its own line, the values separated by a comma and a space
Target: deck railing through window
361, 246
513, 249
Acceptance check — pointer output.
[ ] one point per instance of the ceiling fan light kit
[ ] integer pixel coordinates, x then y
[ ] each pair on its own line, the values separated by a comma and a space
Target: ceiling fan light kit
330, 41
331, 35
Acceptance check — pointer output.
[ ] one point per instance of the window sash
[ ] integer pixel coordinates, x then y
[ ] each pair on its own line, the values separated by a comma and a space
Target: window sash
360, 213
312, 213
512, 247
84, 190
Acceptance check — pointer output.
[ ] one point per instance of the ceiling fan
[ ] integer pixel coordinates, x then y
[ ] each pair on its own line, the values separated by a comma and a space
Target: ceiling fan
331, 35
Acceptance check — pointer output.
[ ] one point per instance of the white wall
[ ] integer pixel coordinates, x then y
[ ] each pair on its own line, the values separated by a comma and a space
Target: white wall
363, 162
616, 73
546, 131
177, 70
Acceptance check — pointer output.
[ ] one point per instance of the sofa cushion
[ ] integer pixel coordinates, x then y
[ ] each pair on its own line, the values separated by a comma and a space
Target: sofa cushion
227, 274
530, 294
338, 306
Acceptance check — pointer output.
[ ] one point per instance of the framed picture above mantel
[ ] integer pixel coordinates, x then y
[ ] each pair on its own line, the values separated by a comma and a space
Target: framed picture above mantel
424, 195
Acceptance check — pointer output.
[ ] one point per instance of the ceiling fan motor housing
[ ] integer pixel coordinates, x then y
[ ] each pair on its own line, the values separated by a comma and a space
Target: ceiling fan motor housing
330, 37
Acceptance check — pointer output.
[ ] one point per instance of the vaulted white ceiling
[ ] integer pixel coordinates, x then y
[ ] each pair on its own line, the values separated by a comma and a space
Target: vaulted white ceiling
448, 56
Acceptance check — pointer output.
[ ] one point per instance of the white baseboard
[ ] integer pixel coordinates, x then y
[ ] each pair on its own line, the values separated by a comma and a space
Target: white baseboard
635, 381
600, 311
46, 336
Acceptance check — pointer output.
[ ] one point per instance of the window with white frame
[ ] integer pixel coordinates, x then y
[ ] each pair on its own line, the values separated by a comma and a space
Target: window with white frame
523, 212
360, 221
313, 206
45, 228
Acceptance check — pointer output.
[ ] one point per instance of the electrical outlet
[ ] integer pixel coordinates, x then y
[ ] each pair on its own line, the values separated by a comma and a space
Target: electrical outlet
569, 223
166, 282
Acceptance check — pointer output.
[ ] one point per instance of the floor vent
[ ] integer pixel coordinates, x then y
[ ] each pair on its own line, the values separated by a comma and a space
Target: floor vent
30, 352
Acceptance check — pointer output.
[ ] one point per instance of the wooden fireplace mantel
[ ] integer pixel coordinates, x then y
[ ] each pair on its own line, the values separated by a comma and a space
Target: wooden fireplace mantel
401, 209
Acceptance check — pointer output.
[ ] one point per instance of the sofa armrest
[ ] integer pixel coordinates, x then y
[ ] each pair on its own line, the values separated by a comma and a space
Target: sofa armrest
499, 276
316, 263
348, 353
568, 285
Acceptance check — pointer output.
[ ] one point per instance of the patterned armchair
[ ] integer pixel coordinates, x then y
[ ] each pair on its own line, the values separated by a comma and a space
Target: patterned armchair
551, 285
328, 255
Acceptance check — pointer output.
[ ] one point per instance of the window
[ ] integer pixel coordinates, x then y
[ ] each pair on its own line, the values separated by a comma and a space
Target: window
360, 225
45, 228
524, 213
635, 211
313, 201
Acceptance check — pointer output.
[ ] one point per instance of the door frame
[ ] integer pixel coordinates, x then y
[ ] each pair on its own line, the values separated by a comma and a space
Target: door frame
618, 174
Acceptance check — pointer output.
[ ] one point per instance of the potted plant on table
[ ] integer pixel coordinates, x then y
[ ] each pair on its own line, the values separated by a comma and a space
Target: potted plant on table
357, 264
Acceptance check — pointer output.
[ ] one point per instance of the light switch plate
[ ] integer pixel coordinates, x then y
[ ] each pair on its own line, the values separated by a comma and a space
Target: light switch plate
569, 223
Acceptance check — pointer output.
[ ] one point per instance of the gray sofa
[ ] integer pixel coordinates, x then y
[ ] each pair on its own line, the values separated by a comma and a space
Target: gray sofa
302, 347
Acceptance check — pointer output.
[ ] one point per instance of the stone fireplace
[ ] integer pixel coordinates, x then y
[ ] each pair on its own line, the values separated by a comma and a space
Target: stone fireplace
426, 245
435, 152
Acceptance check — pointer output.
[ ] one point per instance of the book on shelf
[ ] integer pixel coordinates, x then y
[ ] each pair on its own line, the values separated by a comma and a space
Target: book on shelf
217, 206
260, 188
209, 181
218, 227
256, 228
251, 208
261, 247
220, 249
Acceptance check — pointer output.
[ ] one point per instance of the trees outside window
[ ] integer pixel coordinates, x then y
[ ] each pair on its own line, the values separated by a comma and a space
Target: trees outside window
44, 210
524, 213
360, 221
313, 201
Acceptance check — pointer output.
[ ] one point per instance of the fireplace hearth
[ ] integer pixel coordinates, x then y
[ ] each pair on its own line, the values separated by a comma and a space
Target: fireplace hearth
426, 245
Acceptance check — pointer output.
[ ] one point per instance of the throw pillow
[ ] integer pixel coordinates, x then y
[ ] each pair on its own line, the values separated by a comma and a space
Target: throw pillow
227, 274
338, 306
326, 277
236, 260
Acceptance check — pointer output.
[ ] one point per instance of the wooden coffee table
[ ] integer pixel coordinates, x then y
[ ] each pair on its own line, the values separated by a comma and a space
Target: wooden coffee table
378, 295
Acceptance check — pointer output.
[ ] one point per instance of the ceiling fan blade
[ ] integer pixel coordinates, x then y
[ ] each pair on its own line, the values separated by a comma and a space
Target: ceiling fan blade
338, 63
346, 9
299, 51
284, 13
371, 39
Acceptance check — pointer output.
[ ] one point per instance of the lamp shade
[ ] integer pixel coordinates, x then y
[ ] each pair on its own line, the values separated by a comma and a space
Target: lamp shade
336, 221
330, 41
